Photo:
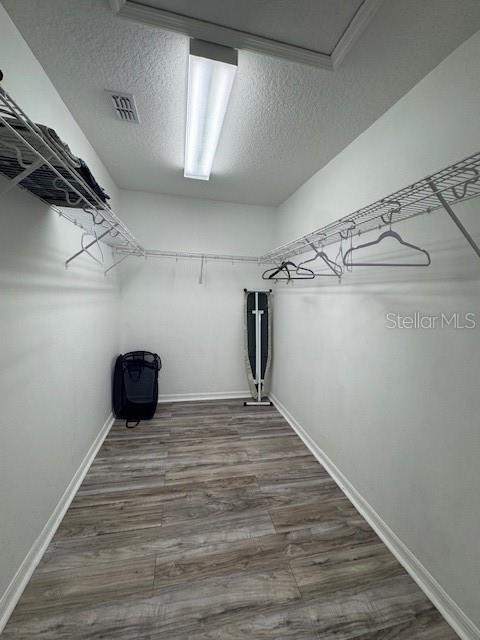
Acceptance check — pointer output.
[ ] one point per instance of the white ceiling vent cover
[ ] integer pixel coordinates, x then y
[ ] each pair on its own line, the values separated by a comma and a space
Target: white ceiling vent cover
124, 106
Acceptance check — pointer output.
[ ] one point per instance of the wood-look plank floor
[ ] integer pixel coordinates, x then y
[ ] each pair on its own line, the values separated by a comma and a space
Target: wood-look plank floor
214, 522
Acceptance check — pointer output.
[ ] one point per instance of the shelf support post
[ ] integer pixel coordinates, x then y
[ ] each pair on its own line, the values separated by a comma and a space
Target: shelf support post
454, 218
202, 265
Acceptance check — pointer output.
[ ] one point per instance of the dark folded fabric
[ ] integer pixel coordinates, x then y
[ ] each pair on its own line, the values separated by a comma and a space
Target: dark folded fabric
62, 149
86, 174
43, 182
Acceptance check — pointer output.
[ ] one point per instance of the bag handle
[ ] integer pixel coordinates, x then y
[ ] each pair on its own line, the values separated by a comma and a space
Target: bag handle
131, 426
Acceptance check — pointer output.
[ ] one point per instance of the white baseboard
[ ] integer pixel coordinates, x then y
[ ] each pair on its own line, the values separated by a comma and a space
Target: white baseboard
20, 580
449, 609
186, 397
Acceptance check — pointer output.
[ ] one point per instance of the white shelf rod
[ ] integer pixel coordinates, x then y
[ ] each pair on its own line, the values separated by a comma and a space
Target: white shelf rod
159, 253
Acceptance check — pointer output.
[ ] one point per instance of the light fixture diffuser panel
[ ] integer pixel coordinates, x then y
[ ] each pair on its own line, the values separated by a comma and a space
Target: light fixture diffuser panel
210, 83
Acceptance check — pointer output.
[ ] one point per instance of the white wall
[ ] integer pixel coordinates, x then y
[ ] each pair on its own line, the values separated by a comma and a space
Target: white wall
197, 329
58, 334
397, 410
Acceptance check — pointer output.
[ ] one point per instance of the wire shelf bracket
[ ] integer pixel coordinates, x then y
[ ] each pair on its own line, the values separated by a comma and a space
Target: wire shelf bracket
455, 218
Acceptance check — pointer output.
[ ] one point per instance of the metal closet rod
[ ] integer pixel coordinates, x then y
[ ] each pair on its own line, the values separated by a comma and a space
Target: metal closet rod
123, 253
159, 253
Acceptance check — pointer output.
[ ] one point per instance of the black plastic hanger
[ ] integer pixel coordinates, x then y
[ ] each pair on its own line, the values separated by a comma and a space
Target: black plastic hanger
288, 270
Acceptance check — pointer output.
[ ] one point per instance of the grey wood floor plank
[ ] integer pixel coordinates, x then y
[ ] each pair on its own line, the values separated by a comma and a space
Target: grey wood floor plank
344, 615
166, 610
146, 453
178, 461
110, 518
340, 569
213, 521
299, 467
262, 552
106, 488
170, 540
314, 513
263, 623
252, 432
56, 592
206, 432
300, 491
189, 493
426, 626
200, 446
121, 471
155, 438
240, 500
200, 507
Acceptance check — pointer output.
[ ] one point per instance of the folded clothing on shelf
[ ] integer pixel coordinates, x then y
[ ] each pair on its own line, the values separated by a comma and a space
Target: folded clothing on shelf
59, 146
87, 175
43, 182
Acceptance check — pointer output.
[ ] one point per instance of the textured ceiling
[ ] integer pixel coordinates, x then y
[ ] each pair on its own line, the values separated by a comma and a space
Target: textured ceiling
285, 120
313, 24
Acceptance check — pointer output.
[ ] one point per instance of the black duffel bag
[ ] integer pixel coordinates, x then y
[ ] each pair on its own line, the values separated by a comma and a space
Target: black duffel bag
135, 386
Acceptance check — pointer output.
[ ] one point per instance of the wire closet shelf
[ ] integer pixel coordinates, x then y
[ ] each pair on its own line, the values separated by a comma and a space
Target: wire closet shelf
34, 158
457, 183
28, 156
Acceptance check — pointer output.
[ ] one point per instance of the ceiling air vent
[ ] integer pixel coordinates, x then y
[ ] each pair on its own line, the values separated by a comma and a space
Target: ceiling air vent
124, 106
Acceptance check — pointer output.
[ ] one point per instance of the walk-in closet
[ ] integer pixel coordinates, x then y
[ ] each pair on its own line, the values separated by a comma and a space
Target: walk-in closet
239, 319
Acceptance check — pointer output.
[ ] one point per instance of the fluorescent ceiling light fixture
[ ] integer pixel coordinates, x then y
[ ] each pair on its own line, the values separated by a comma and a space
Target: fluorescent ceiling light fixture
211, 71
